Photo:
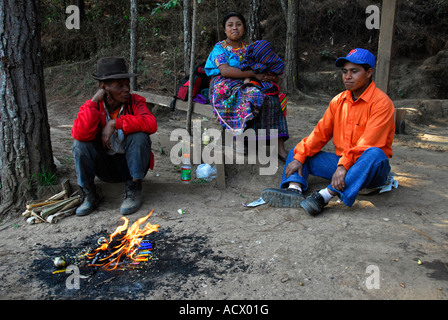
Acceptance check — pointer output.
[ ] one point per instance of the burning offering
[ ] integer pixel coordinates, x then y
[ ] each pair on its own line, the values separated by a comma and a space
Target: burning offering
125, 246
131, 261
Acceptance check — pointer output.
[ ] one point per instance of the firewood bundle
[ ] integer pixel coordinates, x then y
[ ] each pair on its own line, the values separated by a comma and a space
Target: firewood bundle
54, 208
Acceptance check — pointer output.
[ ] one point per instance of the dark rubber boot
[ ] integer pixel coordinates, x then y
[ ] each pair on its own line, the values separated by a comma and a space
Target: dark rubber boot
90, 202
133, 197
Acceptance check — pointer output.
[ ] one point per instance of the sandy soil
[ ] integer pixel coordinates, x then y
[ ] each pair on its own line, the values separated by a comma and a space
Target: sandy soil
219, 249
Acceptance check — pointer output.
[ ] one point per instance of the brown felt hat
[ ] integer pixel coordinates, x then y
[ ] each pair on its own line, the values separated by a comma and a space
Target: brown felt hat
112, 68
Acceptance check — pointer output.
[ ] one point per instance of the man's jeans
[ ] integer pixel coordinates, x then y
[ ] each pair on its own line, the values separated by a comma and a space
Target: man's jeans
370, 170
91, 160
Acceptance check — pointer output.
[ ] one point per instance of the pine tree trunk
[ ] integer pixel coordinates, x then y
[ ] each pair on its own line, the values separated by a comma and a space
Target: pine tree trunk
291, 51
254, 21
25, 148
133, 41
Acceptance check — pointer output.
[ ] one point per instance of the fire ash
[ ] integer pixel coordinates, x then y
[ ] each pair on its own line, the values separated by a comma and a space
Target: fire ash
124, 244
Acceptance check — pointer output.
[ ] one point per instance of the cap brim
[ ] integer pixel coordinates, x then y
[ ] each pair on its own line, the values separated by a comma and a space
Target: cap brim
339, 63
115, 76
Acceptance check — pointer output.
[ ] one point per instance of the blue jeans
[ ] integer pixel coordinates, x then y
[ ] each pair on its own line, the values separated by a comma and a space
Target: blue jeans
369, 171
92, 160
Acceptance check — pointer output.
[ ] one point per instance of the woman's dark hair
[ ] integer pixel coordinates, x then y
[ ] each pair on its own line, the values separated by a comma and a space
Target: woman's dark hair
233, 14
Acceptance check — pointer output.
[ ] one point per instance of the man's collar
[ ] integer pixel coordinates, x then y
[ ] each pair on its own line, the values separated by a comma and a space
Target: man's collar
366, 95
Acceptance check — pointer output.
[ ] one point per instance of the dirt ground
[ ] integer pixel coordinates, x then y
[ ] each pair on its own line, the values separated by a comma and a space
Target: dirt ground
220, 250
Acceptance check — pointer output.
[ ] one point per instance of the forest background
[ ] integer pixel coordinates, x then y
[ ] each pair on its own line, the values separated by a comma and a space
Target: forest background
326, 29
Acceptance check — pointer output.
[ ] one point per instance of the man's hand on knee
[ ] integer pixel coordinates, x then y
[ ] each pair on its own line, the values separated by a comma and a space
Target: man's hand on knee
294, 166
338, 179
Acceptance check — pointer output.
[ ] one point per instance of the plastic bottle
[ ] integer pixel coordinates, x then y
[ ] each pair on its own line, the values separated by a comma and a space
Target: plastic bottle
205, 137
185, 170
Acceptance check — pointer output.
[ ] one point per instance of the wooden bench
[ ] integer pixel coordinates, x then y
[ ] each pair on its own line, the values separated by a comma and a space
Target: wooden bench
205, 110
165, 101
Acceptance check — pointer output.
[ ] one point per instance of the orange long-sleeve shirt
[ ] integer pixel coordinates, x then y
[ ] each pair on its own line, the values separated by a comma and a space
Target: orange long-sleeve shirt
354, 126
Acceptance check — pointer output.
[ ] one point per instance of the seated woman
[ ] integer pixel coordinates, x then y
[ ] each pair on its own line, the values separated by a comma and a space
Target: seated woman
239, 104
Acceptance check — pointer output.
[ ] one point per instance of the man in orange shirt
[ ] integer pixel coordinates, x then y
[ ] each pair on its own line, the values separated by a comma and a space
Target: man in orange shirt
361, 123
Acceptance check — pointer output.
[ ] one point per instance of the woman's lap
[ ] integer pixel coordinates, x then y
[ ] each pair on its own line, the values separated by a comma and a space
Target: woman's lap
270, 117
241, 106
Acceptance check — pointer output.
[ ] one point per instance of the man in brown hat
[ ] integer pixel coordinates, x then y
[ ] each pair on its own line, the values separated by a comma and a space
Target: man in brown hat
112, 138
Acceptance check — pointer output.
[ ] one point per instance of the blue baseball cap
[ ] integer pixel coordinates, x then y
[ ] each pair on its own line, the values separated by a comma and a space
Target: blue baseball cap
357, 56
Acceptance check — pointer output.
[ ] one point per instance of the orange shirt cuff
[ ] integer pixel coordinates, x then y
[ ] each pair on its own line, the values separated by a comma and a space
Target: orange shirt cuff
345, 162
299, 158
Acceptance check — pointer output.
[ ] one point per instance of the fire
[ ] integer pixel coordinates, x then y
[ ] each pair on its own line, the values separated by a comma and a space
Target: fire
127, 246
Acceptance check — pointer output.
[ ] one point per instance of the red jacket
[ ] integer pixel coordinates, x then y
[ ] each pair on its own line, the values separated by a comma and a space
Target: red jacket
92, 118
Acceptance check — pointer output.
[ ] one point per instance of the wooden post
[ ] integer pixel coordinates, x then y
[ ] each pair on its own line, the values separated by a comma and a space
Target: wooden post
221, 166
192, 62
187, 35
387, 28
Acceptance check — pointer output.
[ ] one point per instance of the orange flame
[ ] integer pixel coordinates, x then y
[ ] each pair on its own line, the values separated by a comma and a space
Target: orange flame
128, 244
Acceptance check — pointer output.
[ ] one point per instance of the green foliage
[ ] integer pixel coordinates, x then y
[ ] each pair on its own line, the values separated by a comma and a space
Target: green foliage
52, 12
326, 53
171, 4
45, 178
37, 182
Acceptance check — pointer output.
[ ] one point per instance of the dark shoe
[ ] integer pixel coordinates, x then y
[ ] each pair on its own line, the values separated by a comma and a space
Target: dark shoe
283, 198
313, 204
133, 197
90, 202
